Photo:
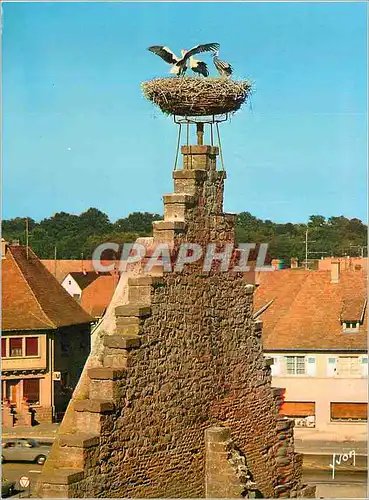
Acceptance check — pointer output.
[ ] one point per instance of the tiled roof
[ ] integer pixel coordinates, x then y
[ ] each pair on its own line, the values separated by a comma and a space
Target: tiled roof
84, 279
61, 268
307, 309
97, 296
32, 299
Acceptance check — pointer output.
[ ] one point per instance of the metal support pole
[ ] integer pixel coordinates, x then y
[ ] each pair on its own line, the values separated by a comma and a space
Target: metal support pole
178, 143
220, 148
200, 134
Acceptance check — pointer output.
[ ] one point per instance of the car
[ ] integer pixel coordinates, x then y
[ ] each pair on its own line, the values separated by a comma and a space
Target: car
22, 449
7, 487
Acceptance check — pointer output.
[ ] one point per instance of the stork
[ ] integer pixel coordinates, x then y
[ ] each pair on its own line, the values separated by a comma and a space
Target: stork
224, 68
199, 67
179, 65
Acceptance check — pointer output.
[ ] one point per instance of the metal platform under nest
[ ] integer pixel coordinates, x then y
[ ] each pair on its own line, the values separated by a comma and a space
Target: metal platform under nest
200, 122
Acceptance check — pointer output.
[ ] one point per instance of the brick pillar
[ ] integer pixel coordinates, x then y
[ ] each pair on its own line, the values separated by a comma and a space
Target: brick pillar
199, 157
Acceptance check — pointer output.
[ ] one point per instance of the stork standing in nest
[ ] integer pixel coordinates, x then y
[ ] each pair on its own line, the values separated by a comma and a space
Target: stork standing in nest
179, 65
224, 69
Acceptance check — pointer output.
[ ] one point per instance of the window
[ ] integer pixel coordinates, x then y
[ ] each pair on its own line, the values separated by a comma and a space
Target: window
348, 366
31, 390
351, 326
295, 365
349, 412
15, 347
3, 347
19, 347
31, 346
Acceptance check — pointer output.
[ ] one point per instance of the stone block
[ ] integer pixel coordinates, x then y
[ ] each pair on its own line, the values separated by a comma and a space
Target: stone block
102, 389
145, 280
179, 198
175, 211
196, 175
122, 341
63, 476
93, 405
117, 361
217, 434
162, 225
139, 294
195, 150
104, 373
133, 310
79, 440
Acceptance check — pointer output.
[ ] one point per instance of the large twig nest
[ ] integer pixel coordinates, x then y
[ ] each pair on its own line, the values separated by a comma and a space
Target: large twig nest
196, 96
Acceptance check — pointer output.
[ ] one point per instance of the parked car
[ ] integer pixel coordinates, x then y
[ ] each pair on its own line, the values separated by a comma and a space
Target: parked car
27, 450
7, 487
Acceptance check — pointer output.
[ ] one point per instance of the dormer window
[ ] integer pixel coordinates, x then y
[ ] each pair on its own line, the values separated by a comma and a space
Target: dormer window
351, 326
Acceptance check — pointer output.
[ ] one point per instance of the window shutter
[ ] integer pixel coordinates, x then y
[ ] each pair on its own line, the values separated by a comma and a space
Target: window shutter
331, 367
276, 366
364, 365
297, 409
310, 366
349, 411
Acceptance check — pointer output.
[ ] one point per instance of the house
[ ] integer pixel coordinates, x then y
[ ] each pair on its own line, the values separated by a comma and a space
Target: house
315, 329
346, 263
60, 268
92, 290
45, 337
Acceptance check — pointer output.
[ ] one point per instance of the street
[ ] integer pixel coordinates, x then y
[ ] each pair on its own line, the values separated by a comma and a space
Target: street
14, 470
345, 484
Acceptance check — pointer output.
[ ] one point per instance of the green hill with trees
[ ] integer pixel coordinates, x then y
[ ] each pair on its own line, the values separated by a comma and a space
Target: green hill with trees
76, 236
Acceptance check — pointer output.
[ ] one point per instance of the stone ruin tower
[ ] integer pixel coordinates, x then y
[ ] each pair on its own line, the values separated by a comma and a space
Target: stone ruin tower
175, 399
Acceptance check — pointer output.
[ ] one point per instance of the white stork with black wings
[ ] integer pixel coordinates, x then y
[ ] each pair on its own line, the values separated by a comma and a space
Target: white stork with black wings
179, 65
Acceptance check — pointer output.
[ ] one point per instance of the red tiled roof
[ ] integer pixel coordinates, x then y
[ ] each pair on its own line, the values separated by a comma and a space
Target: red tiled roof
61, 268
32, 299
84, 279
307, 309
97, 296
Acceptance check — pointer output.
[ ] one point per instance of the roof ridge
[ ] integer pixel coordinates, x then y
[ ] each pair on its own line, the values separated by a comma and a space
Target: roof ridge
32, 292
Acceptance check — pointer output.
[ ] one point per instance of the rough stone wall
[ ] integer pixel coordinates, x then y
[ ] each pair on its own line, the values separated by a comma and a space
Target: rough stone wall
184, 355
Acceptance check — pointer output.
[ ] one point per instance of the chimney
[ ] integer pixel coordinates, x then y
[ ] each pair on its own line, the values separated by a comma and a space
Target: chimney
4, 245
335, 271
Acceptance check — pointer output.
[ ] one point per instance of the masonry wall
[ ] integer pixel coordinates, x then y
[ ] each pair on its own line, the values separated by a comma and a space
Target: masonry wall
185, 355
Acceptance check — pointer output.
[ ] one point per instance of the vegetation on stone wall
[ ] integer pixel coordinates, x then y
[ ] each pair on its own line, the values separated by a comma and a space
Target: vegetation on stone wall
77, 235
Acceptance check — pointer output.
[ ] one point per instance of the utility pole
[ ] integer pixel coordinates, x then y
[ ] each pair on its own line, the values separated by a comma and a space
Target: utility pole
27, 237
306, 248
55, 261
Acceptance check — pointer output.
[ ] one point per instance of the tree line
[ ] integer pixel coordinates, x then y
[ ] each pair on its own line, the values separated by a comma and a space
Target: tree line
76, 236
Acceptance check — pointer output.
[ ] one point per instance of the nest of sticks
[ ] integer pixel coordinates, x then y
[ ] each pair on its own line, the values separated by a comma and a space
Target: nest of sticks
196, 96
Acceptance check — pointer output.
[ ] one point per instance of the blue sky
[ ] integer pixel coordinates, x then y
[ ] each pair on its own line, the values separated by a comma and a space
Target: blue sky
77, 131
